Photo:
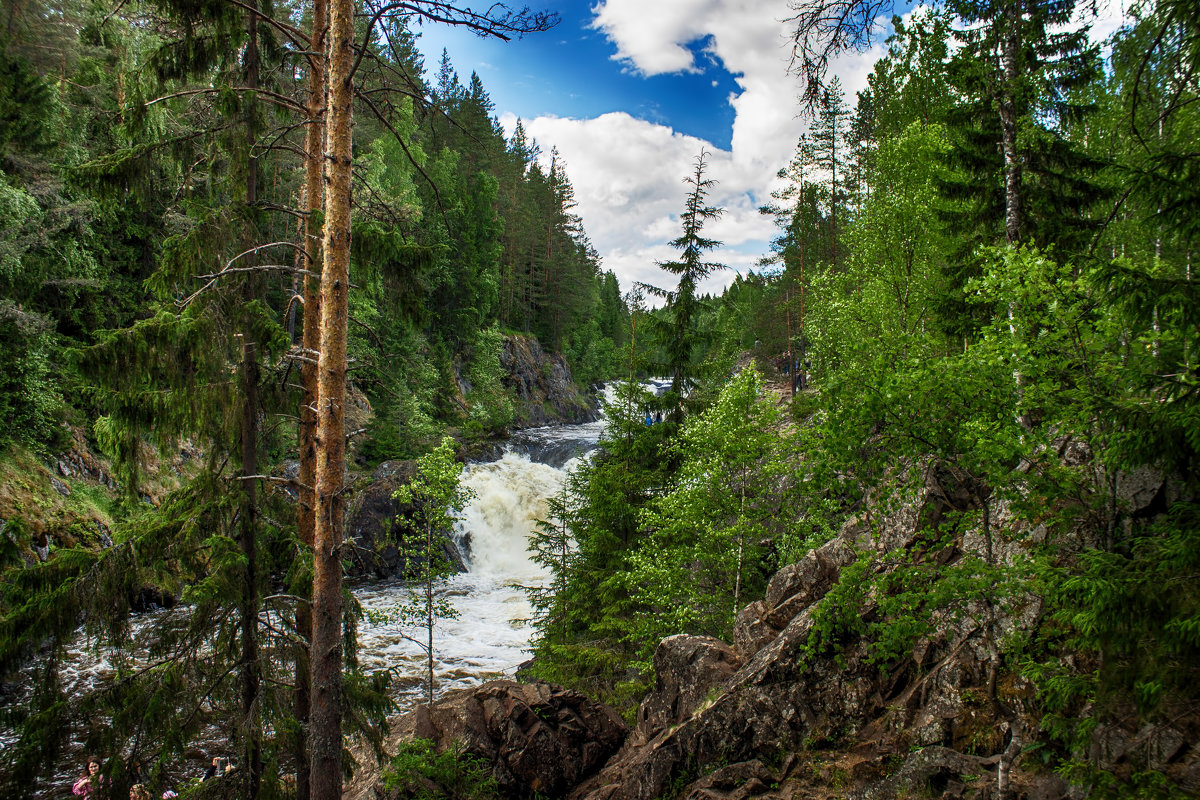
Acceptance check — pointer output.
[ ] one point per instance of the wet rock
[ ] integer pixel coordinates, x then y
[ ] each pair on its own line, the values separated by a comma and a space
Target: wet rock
375, 550
482, 451
151, 598
60, 487
542, 383
537, 738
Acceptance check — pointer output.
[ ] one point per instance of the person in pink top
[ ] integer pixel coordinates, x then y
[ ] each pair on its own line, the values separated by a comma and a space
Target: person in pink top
90, 783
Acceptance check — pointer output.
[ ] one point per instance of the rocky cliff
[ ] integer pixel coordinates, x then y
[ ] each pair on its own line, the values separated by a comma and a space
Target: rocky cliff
787, 712
542, 384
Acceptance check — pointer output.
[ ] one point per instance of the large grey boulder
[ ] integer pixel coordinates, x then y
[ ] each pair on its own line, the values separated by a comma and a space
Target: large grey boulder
535, 737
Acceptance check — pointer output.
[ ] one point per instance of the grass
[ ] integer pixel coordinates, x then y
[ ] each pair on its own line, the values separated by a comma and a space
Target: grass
29, 500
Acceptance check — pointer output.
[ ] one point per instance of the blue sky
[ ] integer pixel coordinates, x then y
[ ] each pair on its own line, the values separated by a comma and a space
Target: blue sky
630, 91
570, 72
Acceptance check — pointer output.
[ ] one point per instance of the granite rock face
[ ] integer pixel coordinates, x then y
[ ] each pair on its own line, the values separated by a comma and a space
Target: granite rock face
544, 387
535, 737
771, 717
374, 548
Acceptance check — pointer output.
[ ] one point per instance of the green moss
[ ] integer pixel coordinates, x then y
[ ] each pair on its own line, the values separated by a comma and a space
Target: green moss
37, 512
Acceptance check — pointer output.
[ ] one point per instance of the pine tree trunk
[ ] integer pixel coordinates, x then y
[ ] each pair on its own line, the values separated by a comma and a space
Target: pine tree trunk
325, 733
314, 154
250, 666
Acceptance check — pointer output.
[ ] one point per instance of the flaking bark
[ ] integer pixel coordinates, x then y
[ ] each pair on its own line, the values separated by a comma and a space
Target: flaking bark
314, 147
325, 719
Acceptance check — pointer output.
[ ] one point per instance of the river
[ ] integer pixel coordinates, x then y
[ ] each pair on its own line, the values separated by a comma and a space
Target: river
490, 635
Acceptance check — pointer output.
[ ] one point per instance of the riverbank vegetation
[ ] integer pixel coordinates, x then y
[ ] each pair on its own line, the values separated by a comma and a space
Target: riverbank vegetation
983, 272
983, 275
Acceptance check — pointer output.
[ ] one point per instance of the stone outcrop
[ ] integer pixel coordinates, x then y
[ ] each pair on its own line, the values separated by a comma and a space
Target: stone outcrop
686, 668
782, 714
535, 738
542, 384
772, 717
375, 550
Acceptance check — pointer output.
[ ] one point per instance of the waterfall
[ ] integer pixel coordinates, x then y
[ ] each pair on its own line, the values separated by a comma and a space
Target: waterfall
491, 633
510, 496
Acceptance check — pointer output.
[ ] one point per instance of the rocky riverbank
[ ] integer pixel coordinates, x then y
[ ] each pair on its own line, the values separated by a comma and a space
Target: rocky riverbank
782, 713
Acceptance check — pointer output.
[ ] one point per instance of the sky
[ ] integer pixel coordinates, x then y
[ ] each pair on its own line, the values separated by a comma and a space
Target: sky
629, 92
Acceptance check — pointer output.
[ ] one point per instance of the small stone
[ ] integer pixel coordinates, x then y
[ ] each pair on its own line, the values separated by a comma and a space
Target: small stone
60, 487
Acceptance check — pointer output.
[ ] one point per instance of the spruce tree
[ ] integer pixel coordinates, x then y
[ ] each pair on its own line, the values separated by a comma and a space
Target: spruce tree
676, 330
1019, 69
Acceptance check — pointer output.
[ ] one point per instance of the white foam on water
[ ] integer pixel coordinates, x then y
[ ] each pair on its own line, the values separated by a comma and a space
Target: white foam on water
491, 632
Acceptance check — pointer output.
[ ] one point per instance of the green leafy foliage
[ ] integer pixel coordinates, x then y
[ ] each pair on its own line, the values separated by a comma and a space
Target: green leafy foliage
704, 552
435, 499
451, 774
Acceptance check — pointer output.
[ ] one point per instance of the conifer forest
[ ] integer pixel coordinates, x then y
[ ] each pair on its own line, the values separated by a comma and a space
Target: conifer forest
336, 463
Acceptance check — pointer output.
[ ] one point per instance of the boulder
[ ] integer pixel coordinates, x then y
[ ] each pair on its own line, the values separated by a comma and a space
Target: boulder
739, 781
797, 586
537, 738
374, 550
689, 671
750, 629
937, 771
1138, 489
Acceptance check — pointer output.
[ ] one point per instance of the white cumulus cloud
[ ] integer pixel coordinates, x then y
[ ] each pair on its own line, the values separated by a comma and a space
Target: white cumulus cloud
628, 172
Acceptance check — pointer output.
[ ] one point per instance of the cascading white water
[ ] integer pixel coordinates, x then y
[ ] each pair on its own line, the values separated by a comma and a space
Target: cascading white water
510, 497
491, 633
